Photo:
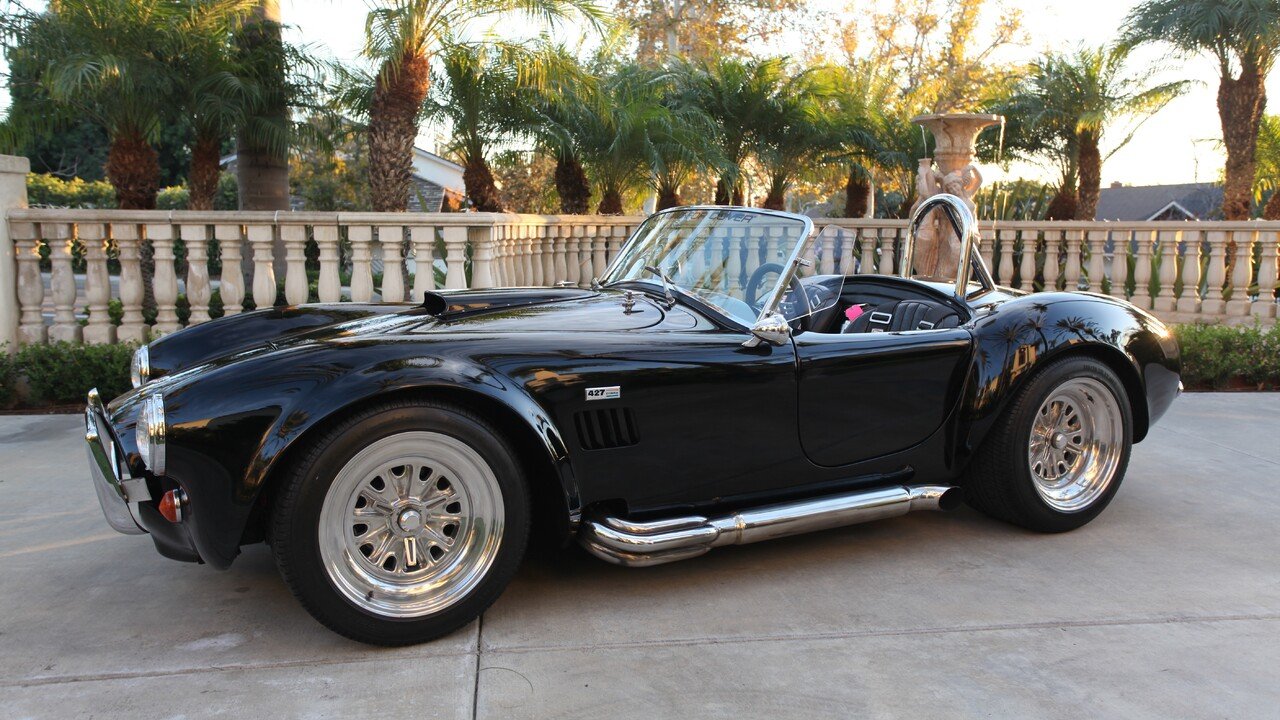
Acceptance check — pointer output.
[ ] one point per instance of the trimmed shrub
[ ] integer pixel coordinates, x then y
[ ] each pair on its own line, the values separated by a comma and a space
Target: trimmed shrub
52, 191
62, 373
1220, 356
8, 378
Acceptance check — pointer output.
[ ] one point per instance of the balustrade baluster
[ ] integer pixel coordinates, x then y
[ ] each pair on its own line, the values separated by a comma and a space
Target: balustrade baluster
1005, 240
391, 241
1071, 274
1265, 306
600, 247
482, 250
1213, 303
617, 238
231, 281
1188, 305
573, 260
1241, 274
60, 237
329, 284
847, 263
262, 243
547, 242
97, 284
1120, 246
31, 329
455, 249
361, 237
1097, 240
132, 326
196, 240
887, 237
560, 243
1145, 241
1166, 301
1052, 249
867, 248
164, 281
1027, 264
423, 238
533, 249
296, 286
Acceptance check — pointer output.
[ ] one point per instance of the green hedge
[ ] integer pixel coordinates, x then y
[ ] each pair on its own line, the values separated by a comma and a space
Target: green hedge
1216, 357
62, 373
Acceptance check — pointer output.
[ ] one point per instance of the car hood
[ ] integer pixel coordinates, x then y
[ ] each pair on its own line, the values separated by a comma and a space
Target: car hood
513, 310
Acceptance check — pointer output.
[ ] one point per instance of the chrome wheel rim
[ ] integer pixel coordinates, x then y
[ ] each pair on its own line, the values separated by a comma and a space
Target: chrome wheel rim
1075, 445
411, 524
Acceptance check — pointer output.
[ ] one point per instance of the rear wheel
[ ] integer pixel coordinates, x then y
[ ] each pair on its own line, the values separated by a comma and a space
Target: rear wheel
402, 523
1057, 456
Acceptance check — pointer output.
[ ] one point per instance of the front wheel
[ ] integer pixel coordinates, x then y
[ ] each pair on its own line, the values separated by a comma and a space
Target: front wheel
1056, 457
402, 523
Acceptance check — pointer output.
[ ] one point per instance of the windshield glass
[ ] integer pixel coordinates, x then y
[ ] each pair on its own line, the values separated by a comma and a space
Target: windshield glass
732, 259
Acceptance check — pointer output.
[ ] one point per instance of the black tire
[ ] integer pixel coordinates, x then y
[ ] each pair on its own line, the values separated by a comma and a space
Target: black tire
999, 481
296, 535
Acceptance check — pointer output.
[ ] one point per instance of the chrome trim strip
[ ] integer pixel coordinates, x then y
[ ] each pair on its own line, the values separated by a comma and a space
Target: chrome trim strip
639, 544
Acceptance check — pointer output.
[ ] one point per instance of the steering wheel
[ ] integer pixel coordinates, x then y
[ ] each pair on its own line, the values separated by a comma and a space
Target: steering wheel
752, 290
797, 298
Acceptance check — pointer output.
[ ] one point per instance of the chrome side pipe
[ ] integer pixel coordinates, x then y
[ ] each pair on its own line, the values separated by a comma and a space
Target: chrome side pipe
639, 544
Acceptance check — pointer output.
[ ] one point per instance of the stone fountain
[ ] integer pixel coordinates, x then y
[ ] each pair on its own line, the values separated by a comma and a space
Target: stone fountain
937, 249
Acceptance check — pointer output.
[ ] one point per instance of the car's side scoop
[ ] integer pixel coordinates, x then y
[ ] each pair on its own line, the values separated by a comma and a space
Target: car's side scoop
434, 303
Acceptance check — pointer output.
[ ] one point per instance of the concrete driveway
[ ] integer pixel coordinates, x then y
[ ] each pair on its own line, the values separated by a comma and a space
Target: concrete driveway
1166, 606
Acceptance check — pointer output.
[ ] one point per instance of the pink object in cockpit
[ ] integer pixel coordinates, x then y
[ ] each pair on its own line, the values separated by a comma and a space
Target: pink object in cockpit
853, 313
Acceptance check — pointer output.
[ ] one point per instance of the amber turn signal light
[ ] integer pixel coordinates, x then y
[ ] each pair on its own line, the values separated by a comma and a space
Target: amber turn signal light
173, 504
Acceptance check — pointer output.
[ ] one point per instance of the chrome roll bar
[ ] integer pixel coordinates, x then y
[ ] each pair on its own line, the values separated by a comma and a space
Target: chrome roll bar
965, 227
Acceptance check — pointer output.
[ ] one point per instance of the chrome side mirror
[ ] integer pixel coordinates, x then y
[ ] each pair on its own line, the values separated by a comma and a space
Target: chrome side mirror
773, 328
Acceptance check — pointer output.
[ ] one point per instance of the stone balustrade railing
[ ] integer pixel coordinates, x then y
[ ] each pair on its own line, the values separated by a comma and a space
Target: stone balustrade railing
66, 261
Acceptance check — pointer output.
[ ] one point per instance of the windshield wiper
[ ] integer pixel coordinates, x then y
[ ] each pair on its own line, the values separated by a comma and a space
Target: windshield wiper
666, 285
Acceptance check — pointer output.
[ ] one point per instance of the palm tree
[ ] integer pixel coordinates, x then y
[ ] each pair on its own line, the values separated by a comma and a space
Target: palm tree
794, 131
217, 96
731, 92
1243, 36
558, 106
1268, 166
1066, 101
612, 135
861, 124
262, 162
106, 59
402, 37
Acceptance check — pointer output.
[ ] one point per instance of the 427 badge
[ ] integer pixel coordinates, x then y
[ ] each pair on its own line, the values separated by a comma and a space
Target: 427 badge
612, 392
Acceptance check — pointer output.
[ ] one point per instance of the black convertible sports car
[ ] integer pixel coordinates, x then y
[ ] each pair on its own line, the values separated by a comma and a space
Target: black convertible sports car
706, 391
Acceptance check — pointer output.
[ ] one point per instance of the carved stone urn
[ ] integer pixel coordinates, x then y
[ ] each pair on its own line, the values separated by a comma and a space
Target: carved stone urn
937, 249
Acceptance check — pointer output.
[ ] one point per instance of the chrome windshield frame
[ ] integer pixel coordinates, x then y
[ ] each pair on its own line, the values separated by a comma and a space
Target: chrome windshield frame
966, 228
788, 270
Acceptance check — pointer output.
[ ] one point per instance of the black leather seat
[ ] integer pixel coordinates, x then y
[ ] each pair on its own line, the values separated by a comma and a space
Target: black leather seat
899, 315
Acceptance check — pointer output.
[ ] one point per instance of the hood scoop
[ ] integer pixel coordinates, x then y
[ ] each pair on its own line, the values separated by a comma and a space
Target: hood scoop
451, 305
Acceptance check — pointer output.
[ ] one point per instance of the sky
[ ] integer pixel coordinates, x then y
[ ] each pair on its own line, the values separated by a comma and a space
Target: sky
1178, 145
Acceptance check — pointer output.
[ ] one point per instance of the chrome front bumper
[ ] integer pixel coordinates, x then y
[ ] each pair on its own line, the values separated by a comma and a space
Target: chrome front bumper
116, 489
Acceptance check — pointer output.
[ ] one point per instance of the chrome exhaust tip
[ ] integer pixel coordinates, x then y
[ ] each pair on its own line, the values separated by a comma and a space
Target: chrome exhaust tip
640, 544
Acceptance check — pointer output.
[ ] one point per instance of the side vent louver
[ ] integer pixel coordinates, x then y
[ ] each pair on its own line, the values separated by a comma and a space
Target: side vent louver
606, 428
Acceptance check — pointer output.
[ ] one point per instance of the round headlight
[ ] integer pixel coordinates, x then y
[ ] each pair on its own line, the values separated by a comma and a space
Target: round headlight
149, 434
140, 367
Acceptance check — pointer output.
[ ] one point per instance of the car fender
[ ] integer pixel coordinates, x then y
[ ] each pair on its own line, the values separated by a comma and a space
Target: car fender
232, 426
1020, 336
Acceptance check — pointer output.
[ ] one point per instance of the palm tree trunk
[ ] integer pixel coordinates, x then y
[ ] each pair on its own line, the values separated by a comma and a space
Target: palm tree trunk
572, 185
857, 191
133, 167
203, 175
393, 127
610, 202
480, 185
1090, 177
1272, 209
262, 174
668, 197
722, 192
738, 198
777, 197
1241, 102
1063, 204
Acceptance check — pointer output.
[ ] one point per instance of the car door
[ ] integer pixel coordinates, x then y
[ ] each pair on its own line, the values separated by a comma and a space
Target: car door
865, 395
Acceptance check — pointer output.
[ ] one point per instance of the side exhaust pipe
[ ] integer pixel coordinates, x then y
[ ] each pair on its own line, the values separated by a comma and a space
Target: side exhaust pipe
639, 544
